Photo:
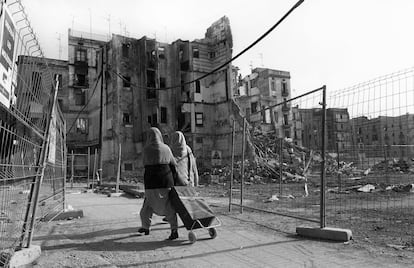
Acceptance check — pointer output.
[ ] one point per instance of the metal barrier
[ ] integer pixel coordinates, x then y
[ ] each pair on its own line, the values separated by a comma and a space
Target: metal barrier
279, 171
370, 177
82, 168
32, 135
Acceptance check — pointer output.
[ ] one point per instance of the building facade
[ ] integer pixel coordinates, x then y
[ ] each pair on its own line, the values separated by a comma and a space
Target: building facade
264, 88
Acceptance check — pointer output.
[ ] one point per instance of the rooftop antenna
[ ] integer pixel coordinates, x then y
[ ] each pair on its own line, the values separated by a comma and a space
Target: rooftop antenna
109, 25
90, 23
73, 21
60, 45
251, 66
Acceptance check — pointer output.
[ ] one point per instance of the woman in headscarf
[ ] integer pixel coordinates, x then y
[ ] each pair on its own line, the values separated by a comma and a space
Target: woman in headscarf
187, 172
159, 164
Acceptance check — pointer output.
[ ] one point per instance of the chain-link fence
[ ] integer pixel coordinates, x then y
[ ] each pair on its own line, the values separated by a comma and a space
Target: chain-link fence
371, 148
32, 134
82, 168
278, 170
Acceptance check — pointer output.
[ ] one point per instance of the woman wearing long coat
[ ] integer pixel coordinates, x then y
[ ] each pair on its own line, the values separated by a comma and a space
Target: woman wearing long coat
187, 172
159, 164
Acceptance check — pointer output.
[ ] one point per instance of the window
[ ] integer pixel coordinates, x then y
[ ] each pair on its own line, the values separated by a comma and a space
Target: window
81, 125
276, 117
162, 82
126, 81
163, 115
59, 78
253, 107
198, 87
80, 80
253, 83
212, 55
128, 166
81, 55
125, 50
199, 119
196, 52
80, 97
199, 139
161, 53
273, 85
126, 119
152, 120
150, 78
151, 93
284, 88
285, 119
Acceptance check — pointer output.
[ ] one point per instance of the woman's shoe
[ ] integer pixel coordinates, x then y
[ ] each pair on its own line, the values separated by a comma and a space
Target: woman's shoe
173, 235
143, 230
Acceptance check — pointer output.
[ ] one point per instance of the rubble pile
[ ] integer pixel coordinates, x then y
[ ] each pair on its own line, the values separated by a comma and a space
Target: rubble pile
393, 165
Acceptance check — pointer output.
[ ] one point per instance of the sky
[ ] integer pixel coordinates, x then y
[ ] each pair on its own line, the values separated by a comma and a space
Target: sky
337, 43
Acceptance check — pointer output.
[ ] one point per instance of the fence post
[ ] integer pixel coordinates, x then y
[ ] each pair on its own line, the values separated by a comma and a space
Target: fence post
72, 169
338, 161
89, 159
118, 175
242, 167
323, 173
280, 166
94, 167
232, 165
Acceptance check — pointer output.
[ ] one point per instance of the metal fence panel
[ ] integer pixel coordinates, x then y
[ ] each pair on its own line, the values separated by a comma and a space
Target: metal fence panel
32, 139
370, 180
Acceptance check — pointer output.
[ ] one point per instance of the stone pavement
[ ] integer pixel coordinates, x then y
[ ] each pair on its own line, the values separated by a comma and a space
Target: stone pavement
107, 237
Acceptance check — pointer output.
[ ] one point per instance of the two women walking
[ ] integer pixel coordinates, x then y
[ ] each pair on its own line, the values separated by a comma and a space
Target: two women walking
164, 168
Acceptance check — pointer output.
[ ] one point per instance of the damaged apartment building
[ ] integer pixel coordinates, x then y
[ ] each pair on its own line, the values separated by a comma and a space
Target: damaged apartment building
151, 83
265, 88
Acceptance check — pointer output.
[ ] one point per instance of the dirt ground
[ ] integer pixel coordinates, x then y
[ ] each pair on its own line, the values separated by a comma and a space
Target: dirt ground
106, 237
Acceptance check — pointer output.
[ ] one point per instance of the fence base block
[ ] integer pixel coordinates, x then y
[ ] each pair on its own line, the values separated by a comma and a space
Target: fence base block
66, 215
25, 256
326, 233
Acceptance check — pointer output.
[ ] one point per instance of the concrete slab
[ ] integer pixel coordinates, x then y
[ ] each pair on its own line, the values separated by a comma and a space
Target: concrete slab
115, 194
327, 233
25, 256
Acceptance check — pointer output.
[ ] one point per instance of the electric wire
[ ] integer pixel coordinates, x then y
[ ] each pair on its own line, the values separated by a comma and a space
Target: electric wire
230, 60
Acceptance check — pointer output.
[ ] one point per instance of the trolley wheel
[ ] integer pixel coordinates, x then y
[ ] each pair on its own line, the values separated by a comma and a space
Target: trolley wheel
192, 237
212, 232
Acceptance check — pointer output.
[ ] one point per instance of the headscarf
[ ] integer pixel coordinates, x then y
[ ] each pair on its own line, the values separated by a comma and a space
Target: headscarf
178, 145
155, 151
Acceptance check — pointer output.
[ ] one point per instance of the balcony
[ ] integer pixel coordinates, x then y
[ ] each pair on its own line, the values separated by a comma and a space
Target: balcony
285, 93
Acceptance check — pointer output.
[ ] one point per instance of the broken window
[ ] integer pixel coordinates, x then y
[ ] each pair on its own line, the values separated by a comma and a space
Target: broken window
253, 107
253, 83
185, 65
199, 139
284, 88
161, 53
199, 119
80, 96
163, 115
82, 125
126, 119
273, 85
162, 82
80, 80
276, 117
150, 78
151, 59
126, 81
196, 52
286, 119
198, 87
128, 166
151, 93
81, 55
125, 50
212, 54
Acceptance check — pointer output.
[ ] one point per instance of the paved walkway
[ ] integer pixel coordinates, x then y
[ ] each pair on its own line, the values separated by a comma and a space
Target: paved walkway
107, 237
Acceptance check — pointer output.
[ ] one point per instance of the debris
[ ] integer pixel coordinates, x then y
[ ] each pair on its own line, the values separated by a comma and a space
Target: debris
397, 247
366, 188
271, 199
